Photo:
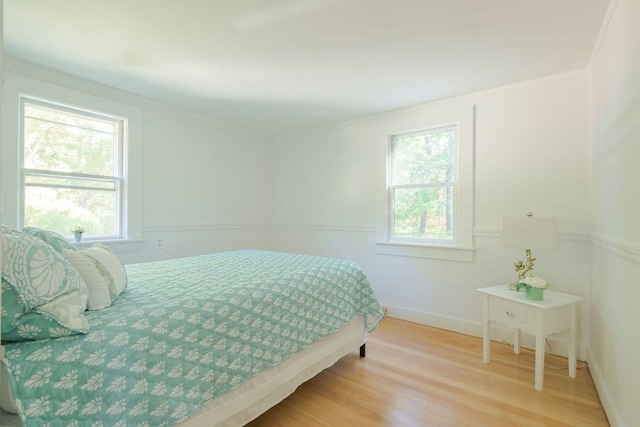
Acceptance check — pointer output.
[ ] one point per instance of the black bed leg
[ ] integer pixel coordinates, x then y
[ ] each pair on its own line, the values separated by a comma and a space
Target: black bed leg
363, 350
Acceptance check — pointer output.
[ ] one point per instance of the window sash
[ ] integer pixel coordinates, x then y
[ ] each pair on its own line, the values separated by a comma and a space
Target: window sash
38, 178
393, 188
102, 183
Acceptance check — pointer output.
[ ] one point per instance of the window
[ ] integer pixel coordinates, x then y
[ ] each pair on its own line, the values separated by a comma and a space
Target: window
422, 192
95, 112
424, 196
72, 169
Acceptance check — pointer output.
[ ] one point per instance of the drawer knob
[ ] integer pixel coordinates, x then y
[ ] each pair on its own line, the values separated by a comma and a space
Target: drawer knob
509, 313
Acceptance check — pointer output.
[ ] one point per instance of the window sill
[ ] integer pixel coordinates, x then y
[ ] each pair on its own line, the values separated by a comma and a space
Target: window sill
449, 253
117, 246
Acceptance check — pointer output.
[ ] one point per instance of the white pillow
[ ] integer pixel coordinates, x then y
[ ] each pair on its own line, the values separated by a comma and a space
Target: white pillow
102, 271
43, 296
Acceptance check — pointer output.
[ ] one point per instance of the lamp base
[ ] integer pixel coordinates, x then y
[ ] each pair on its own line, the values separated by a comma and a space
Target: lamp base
521, 268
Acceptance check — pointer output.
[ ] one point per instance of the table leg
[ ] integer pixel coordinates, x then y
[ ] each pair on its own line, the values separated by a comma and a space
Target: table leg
486, 339
516, 341
540, 347
572, 341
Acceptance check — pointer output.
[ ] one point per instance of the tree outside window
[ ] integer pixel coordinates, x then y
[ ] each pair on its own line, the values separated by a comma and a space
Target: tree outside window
423, 185
72, 169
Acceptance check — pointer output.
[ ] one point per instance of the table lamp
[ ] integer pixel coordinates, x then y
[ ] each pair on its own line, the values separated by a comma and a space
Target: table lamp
529, 233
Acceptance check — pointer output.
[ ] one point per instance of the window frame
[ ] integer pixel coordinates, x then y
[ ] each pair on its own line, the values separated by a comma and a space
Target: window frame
392, 186
17, 86
119, 180
418, 119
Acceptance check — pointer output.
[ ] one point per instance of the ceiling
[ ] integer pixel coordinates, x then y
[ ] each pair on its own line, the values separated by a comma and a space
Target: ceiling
276, 67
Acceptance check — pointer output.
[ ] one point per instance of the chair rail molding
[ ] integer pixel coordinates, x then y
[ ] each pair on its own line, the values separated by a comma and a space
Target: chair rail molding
628, 250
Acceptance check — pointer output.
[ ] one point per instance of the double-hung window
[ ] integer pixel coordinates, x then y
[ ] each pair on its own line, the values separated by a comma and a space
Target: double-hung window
424, 204
73, 172
422, 192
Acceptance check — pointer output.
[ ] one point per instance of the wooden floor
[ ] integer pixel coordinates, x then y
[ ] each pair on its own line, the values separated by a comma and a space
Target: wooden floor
415, 375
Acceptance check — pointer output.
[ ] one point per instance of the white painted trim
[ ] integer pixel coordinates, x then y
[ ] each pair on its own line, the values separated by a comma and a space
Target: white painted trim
607, 400
202, 227
462, 116
117, 246
456, 100
562, 235
487, 233
435, 320
327, 227
448, 253
601, 34
627, 250
18, 85
215, 227
500, 333
33, 70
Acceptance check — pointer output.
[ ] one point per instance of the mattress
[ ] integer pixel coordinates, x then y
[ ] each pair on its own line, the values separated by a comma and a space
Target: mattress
248, 401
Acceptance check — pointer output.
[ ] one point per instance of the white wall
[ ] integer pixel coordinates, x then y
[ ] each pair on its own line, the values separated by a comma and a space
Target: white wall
1, 94
531, 155
206, 187
614, 210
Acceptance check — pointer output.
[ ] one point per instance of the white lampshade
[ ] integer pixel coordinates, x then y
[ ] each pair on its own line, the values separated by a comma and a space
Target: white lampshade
529, 232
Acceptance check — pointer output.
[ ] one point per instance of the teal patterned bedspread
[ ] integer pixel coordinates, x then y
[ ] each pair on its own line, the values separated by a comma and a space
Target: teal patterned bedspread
185, 331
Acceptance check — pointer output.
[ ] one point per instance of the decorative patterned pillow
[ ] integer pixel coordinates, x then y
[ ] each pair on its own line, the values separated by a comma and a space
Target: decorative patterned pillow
103, 273
53, 239
43, 296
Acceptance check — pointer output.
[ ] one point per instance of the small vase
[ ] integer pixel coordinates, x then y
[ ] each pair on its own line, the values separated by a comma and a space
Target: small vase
534, 293
78, 237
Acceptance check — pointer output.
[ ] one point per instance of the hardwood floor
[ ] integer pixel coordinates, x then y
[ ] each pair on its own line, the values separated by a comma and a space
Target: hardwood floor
415, 375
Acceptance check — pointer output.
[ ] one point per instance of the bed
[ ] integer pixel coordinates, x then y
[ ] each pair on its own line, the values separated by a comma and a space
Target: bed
207, 340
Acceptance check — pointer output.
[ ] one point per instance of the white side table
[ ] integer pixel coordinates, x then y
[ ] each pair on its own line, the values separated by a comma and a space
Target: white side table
556, 312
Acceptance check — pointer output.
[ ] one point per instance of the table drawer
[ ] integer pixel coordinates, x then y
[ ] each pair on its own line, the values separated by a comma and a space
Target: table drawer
512, 314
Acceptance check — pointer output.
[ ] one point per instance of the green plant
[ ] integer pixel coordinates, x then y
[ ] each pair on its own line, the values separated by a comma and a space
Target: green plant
78, 229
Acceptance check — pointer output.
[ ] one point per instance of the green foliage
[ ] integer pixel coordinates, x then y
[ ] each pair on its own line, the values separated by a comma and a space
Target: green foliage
68, 143
423, 195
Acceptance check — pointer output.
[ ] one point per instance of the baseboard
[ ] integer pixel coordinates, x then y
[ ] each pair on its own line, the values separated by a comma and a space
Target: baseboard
559, 346
436, 320
607, 400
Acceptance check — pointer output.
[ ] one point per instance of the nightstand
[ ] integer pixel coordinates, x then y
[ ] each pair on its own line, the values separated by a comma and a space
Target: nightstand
556, 312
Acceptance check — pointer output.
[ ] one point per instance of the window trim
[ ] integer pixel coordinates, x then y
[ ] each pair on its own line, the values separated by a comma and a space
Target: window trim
416, 120
18, 86
119, 180
391, 187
